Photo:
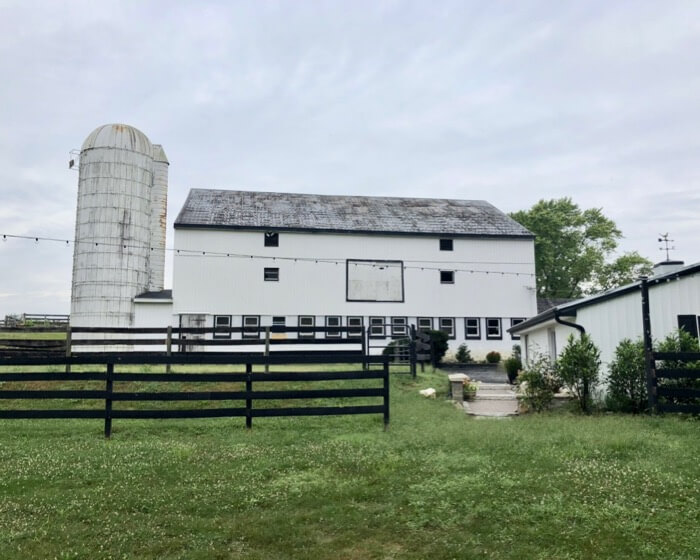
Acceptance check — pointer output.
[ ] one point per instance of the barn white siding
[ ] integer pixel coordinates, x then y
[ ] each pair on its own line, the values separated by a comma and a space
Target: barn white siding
221, 285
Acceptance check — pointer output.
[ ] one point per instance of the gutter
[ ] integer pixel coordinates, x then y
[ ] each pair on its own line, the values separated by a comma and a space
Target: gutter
558, 319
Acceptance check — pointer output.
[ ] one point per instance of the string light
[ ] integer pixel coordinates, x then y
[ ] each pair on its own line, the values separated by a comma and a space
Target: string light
335, 261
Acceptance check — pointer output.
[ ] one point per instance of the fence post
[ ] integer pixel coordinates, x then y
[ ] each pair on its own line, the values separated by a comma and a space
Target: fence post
433, 360
649, 362
169, 346
267, 348
386, 393
248, 399
412, 351
68, 346
108, 401
365, 344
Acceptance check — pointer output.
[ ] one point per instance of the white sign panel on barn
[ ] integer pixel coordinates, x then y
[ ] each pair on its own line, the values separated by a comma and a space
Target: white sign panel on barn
374, 280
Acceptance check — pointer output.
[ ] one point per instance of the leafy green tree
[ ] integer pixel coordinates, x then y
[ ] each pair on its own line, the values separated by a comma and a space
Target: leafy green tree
572, 248
578, 367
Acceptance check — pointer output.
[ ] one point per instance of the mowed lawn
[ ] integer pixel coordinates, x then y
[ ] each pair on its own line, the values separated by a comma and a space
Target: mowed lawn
436, 485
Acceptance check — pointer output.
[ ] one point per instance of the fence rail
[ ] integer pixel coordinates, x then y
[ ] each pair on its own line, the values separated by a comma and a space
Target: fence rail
246, 397
674, 393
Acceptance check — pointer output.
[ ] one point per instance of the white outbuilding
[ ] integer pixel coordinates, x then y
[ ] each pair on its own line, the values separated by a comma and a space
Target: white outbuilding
257, 259
611, 316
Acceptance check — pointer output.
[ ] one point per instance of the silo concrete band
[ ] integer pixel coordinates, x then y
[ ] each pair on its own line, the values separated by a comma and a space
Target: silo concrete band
120, 236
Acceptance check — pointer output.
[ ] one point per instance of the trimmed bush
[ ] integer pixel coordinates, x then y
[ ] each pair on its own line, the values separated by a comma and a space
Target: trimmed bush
439, 341
463, 355
537, 384
627, 379
493, 357
578, 367
512, 366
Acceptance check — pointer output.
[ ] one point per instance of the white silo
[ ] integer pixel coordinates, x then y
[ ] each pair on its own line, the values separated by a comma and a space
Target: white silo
159, 215
111, 261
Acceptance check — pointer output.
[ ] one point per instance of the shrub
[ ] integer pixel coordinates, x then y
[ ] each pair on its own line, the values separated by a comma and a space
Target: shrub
398, 350
463, 355
512, 366
627, 379
578, 368
493, 357
439, 342
537, 384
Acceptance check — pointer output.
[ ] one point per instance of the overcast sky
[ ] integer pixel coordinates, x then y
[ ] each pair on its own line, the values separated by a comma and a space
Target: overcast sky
510, 102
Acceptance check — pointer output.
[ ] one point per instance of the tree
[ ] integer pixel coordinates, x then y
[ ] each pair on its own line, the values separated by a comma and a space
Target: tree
572, 247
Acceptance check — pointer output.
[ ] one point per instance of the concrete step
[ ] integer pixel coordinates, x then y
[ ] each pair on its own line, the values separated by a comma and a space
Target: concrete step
500, 387
495, 408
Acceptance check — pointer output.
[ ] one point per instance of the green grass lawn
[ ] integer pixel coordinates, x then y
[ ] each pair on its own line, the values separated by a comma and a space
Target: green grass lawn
436, 485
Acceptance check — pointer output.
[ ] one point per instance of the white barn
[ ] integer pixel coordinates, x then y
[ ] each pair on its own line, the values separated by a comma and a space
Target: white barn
257, 259
611, 316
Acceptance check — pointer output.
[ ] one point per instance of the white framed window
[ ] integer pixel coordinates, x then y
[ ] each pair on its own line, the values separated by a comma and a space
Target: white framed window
425, 323
376, 327
222, 326
251, 326
447, 277
355, 325
306, 326
493, 328
272, 275
447, 325
513, 322
472, 328
399, 327
333, 321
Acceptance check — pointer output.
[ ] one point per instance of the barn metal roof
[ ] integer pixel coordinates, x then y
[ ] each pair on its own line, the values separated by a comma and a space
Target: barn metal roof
224, 209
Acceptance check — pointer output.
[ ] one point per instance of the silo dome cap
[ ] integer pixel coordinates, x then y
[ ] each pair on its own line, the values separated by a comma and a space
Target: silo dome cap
120, 136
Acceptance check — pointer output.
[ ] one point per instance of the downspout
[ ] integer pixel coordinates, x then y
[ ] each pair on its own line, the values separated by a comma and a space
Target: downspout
561, 321
581, 330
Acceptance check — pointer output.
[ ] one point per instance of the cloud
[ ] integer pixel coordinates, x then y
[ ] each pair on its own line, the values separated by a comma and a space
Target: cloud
508, 102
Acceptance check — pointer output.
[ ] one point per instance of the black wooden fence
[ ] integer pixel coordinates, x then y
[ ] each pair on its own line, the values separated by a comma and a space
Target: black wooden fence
674, 386
671, 386
12, 369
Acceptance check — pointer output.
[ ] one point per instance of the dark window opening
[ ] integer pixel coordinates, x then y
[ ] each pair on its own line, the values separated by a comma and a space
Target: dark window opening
272, 239
272, 275
447, 277
689, 323
446, 245
278, 324
513, 322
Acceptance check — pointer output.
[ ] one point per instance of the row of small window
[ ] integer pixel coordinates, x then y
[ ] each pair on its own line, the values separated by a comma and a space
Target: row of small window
378, 326
272, 239
273, 275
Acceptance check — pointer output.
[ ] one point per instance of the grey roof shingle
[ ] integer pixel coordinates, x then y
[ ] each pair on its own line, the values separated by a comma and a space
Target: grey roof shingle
210, 208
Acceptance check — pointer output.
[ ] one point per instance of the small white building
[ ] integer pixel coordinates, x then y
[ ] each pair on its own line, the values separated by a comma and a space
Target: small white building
611, 316
257, 259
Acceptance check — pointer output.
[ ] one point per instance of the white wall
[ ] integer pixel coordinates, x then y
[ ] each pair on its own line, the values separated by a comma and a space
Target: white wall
612, 320
234, 286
